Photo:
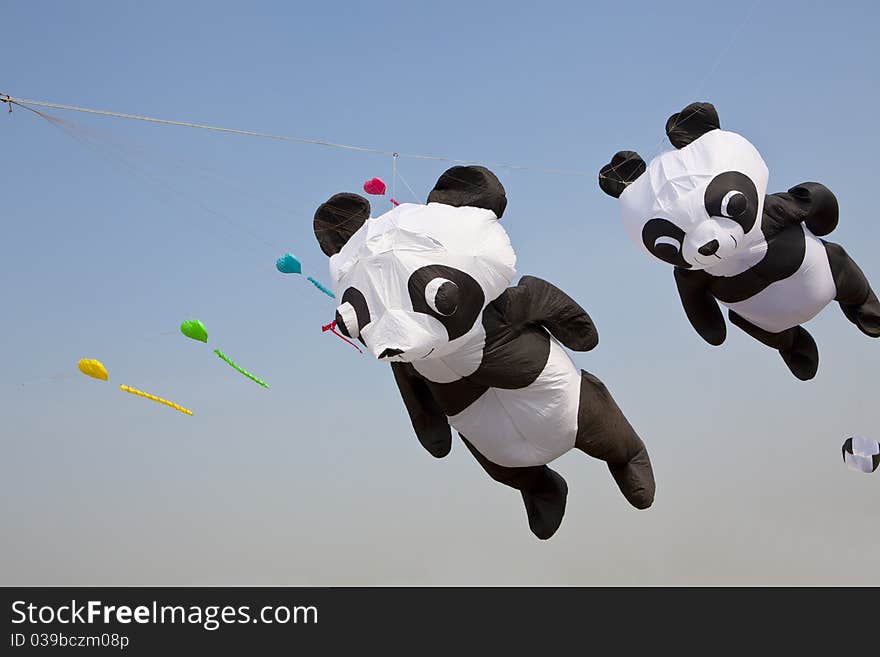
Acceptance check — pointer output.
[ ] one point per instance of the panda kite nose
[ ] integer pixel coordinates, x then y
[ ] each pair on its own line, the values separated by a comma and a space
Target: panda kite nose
709, 248
388, 353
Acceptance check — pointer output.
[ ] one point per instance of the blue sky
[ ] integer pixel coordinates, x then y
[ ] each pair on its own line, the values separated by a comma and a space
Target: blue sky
116, 231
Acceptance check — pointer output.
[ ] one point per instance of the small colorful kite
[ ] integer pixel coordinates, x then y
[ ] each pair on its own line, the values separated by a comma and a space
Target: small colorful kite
290, 264
93, 368
195, 330
96, 370
375, 187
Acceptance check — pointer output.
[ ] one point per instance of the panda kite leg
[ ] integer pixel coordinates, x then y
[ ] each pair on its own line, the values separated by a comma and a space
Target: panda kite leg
604, 433
795, 345
854, 294
543, 491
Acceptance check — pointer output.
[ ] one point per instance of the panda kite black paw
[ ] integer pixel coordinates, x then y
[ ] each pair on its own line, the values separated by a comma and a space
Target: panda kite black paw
429, 289
703, 208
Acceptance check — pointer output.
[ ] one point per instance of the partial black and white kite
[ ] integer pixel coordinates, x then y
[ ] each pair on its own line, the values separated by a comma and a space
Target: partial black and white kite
861, 454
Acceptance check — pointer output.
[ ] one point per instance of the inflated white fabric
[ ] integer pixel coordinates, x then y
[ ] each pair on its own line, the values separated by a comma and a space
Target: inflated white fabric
796, 299
863, 449
511, 427
455, 365
380, 257
527, 426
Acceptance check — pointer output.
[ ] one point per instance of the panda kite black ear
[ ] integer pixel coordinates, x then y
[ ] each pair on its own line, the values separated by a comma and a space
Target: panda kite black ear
691, 123
618, 174
470, 186
338, 219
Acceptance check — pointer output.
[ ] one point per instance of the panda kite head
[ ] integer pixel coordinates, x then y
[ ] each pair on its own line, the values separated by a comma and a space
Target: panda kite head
412, 283
698, 206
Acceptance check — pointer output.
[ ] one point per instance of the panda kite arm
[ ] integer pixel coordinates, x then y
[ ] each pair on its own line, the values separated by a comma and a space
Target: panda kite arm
428, 419
700, 306
811, 203
546, 304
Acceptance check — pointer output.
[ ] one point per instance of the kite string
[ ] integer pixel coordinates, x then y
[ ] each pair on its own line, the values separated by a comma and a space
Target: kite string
712, 69
51, 378
118, 156
25, 102
85, 137
332, 328
393, 178
128, 146
660, 144
403, 180
69, 129
91, 141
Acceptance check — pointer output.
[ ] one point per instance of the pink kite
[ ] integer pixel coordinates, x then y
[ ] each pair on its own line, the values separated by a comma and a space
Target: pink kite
375, 187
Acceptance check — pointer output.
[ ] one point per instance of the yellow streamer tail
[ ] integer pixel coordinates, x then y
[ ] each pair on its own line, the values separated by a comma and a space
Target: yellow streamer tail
141, 393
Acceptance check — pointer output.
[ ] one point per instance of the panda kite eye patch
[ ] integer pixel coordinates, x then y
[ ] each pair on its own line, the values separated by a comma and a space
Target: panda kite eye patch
733, 195
354, 299
664, 239
456, 298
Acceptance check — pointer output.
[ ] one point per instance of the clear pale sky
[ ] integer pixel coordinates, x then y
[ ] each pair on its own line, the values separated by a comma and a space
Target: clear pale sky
116, 231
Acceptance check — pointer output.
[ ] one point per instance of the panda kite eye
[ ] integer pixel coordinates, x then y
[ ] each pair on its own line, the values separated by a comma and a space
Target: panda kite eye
346, 320
441, 294
665, 241
734, 204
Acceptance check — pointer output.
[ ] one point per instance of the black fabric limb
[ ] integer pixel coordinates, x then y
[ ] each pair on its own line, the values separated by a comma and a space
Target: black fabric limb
544, 491
810, 203
428, 419
700, 306
536, 301
795, 345
854, 294
528, 478
605, 433
852, 286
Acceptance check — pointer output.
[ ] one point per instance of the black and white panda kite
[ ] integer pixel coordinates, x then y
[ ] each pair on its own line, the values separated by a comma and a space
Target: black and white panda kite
426, 288
702, 208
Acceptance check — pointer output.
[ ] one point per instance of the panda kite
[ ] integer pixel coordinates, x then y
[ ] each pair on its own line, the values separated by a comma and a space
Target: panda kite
426, 288
702, 208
